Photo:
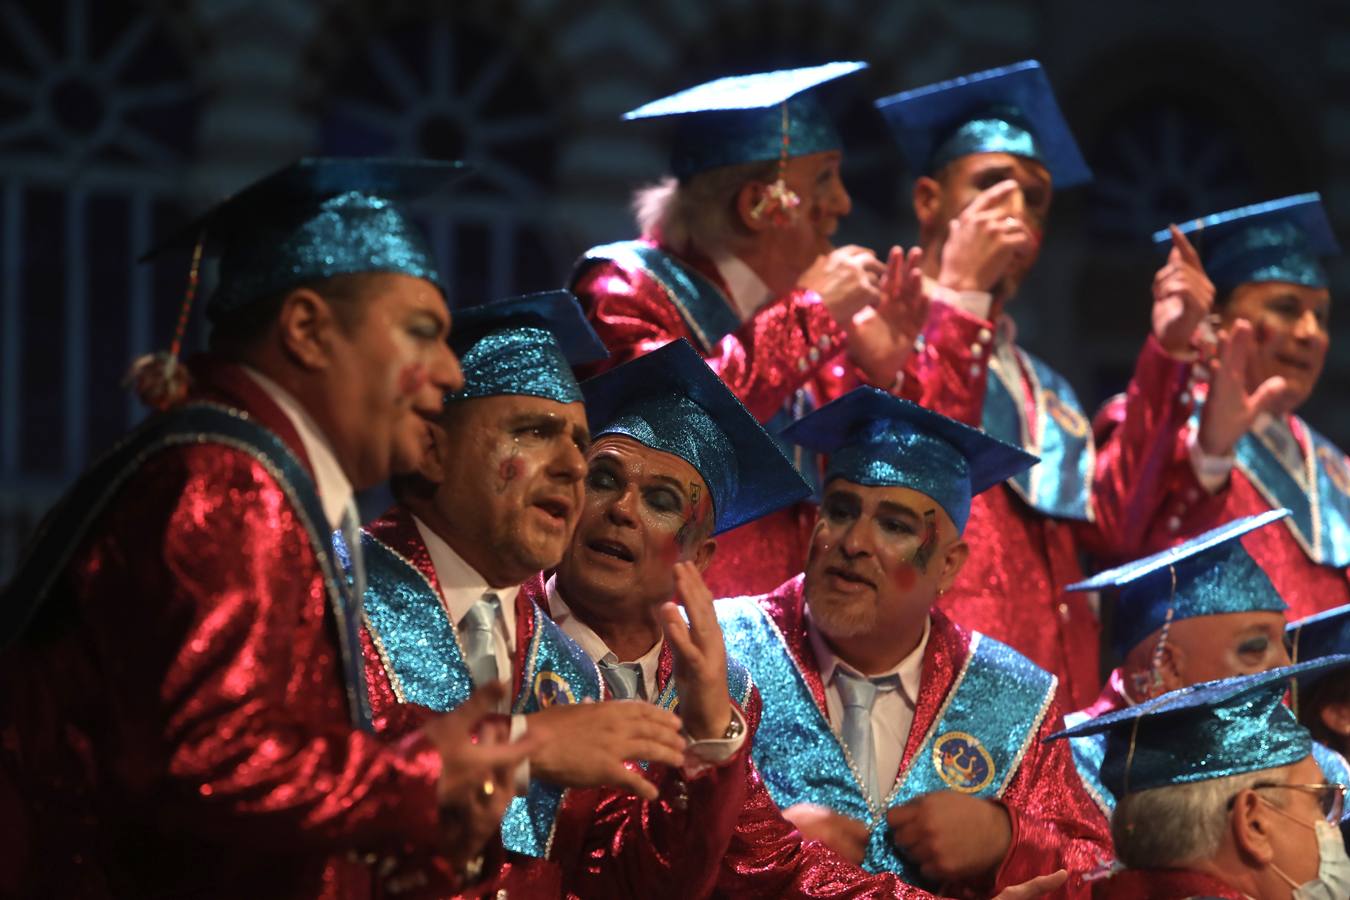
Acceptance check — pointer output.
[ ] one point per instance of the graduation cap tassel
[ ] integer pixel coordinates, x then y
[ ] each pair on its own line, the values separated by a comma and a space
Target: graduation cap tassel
159, 379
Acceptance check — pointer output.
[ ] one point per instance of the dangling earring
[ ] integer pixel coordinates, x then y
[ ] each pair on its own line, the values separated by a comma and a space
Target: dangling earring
778, 200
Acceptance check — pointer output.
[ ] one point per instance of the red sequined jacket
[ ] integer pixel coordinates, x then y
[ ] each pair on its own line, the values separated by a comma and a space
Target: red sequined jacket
791, 343
766, 855
1012, 585
1055, 823
1171, 505
178, 726
605, 843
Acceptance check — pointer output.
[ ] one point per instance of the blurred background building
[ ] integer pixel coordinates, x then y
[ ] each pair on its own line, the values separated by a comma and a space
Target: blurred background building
121, 119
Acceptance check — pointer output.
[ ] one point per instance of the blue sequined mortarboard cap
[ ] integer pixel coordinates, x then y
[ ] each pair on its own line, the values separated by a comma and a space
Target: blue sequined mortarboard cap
740, 118
1324, 634
671, 401
317, 218
874, 438
1279, 240
1011, 109
1213, 575
1209, 730
524, 345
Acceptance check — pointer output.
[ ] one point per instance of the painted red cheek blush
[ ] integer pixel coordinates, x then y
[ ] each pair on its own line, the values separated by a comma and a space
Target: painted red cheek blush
412, 378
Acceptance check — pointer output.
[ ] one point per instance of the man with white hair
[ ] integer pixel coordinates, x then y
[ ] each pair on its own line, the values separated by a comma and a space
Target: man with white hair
1220, 796
736, 255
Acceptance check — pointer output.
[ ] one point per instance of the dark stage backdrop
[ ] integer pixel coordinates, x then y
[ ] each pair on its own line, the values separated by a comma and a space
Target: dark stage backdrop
120, 119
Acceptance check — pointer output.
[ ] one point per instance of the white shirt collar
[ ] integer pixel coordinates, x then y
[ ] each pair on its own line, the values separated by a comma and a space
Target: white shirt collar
593, 644
748, 290
909, 669
335, 490
461, 585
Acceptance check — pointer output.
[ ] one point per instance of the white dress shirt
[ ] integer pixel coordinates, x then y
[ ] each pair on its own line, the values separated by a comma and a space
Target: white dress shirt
748, 290
335, 489
710, 751
893, 711
462, 587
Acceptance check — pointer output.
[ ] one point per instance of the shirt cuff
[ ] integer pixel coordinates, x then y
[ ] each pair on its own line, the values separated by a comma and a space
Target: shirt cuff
974, 303
700, 754
1211, 471
518, 726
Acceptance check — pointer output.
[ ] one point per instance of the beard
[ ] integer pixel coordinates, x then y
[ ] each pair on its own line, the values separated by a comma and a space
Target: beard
841, 616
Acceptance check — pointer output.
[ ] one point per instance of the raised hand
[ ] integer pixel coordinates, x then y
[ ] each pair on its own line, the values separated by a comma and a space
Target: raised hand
881, 337
589, 744
845, 836
700, 656
847, 279
1231, 408
1182, 296
984, 239
953, 837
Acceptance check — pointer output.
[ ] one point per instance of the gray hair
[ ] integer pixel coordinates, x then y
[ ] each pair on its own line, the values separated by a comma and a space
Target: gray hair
1168, 827
700, 210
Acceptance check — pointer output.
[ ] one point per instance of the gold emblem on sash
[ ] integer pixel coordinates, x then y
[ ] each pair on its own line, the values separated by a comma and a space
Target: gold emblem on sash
551, 689
1070, 419
1337, 471
962, 762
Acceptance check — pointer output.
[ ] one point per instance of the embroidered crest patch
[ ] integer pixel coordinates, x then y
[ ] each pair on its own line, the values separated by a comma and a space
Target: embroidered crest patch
962, 762
551, 689
1070, 419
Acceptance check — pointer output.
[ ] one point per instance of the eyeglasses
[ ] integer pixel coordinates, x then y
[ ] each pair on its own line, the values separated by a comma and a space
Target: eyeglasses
1331, 797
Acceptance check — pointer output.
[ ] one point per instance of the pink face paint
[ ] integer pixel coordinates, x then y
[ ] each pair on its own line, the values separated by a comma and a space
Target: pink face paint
905, 577
508, 470
412, 378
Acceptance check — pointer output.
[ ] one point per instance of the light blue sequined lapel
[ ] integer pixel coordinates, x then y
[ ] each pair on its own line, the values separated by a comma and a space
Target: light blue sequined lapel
705, 309
739, 683
556, 671
425, 664
1088, 752
797, 753
974, 745
1321, 520
412, 632
1060, 483
977, 740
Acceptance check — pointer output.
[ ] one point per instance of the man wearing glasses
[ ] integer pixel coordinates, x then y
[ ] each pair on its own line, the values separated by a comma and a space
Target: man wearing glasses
1219, 795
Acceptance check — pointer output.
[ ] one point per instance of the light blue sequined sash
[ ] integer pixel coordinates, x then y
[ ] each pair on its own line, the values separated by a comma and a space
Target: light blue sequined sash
705, 309
425, 665
1060, 483
1088, 751
1320, 522
974, 746
978, 740
738, 686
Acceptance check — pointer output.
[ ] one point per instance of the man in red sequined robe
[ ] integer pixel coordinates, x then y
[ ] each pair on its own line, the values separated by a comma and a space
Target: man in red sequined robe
494, 502
675, 461
1233, 444
990, 149
898, 738
183, 707
736, 257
